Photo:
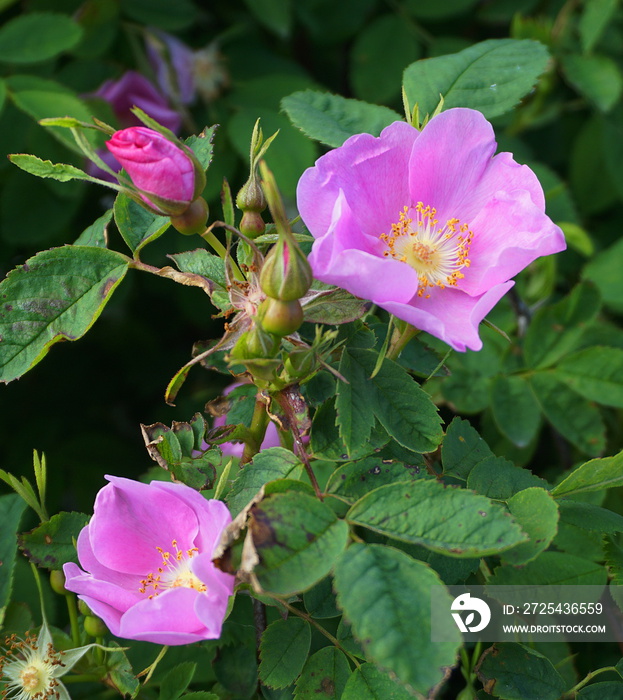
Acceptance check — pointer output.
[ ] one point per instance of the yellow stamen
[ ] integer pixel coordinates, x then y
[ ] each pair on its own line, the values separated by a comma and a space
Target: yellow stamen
437, 253
175, 572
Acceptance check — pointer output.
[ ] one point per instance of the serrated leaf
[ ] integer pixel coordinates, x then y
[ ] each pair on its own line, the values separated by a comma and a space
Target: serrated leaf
537, 514
325, 675
451, 521
595, 373
496, 477
516, 672
11, 510
332, 119
268, 465
320, 600
137, 225
551, 569
462, 449
37, 36
334, 306
515, 410
368, 683
119, 673
385, 594
556, 330
575, 418
588, 516
96, 233
56, 295
595, 475
177, 680
355, 479
491, 76
45, 168
391, 396
297, 538
283, 651
201, 145
51, 544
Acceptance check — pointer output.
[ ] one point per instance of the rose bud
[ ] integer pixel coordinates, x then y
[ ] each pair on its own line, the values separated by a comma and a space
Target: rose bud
167, 174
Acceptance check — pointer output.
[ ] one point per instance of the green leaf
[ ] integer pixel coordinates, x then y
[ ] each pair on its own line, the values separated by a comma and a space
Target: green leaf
452, 521
283, 651
137, 225
120, 675
211, 268
497, 478
298, 539
11, 510
436, 11
556, 330
268, 465
551, 569
177, 680
324, 676
201, 145
51, 544
385, 594
391, 396
376, 72
515, 410
597, 78
44, 168
41, 99
332, 119
368, 683
462, 449
491, 76
603, 270
516, 672
161, 13
354, 479
598, 474
596, 373
596, 15
37, 36
588, 516
537, 513
97, 233
574, 417
605, 690
334, 306
57, 295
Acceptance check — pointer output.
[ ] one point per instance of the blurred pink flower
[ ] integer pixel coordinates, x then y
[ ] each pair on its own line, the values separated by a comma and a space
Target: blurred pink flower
155, 165
173, 63
428, 225
134, 90
146, 558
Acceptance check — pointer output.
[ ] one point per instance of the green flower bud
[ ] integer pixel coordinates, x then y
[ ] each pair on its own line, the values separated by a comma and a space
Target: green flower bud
57, 582
252, 224
286, 273
193, 219
84, 608
281, 317
300, 363
94, 626
255, 343
251, 196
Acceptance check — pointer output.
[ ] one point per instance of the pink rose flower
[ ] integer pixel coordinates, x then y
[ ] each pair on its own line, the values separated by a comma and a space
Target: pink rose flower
173, 63
428, 225
147, 562
156, 165
134, 90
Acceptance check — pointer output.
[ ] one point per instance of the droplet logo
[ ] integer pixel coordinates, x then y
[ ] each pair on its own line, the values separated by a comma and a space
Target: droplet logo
465, 603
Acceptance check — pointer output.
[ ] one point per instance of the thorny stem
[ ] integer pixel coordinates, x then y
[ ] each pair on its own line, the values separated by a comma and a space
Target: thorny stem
320, 629
259, 423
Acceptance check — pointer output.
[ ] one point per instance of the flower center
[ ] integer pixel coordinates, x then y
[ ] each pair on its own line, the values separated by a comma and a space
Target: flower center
33, 680
175, 572
436, 252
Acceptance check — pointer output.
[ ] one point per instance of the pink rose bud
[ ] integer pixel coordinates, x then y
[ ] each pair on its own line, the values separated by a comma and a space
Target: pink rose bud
164, 172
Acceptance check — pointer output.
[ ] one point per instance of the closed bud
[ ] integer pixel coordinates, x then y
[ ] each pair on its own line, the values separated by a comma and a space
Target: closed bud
193, 219
281, 317
300, 363
254, 344
251, 196
83, 607
57, 582
286, 274
95, 626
